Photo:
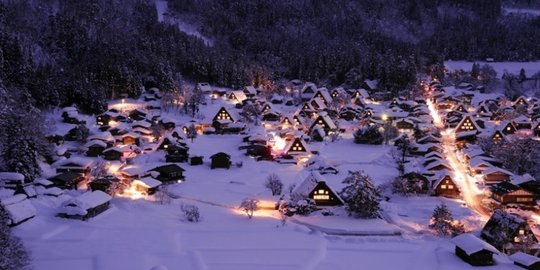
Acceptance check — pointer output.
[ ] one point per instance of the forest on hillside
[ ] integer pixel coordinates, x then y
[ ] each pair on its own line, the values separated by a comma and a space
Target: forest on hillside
64, 52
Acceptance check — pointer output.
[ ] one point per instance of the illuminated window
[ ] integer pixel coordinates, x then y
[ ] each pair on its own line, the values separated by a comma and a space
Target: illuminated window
521, 199
443, 186
516, 239
508, 128
321, 197
450, 186
521, 232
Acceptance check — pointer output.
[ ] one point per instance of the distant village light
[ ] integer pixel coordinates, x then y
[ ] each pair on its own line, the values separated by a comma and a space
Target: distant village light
384, 117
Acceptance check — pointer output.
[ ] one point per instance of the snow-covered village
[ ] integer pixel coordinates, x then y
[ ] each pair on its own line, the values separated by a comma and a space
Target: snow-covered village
140, 135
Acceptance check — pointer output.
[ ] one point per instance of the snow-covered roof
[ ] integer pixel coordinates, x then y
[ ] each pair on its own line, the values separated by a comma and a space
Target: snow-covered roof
95, 142
103, 136
497, 169
472, 244
83, 162
309, 183
13, 199
239, 95
11, 176
148, 182
88, 200
524, 258
20, 211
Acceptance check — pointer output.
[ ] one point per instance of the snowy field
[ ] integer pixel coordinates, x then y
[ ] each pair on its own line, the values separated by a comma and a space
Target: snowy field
139, 234
511, 67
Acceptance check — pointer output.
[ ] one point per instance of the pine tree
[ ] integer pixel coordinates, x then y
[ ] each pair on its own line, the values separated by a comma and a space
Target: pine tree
13, 255
20, 150
192, 132
443, 222
360, 195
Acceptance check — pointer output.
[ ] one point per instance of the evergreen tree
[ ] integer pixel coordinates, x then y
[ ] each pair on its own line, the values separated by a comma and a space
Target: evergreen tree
360, 195
443, 222
13, 255
20, 151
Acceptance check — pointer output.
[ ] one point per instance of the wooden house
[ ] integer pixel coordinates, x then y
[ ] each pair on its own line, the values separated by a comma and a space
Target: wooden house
266, 107
224, 115
196, 160
404, 124
137, 115
521, 101
271, 116
85, 206
316, 188
176, 153
473, 250
105, 137
443, 185
508, 128
250, 91
324, 121
522, 122
317, 104
467, 125
95, 148
508, 193
113, 153
130, 138
525, 260
494, 175
308, 90
506, 231
322, 93
107, 184
237, 96
170, 173
74, 165
297, 146
416, 181
220, 160
68, 180
147, 185
498, 137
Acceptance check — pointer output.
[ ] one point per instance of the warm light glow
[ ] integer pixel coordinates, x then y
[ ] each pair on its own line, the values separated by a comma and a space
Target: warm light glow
434, 114
132, 192
279, 143
384, 117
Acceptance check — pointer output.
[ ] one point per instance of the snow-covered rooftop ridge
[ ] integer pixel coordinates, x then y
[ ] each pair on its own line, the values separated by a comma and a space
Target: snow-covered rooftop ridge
472, 244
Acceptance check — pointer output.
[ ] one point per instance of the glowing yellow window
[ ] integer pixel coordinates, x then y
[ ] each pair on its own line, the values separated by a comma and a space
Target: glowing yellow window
450, 186
443, 186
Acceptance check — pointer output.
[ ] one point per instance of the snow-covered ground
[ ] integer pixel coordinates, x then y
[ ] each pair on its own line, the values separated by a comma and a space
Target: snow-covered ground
140, 234
511, 67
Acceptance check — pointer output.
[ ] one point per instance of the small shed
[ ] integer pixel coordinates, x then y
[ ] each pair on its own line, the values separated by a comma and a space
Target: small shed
68, 180
147, 185
196, 160
19, 209
525, 260
473, 250
11, 179
169, 173
220, 160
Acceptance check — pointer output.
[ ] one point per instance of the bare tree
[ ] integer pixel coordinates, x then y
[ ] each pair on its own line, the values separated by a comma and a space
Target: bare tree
190, 212
250, 206
162, 196
99, 169
274, 184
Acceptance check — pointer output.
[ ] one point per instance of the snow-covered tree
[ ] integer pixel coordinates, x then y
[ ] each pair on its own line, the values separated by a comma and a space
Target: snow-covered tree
443, 222
99, 169
190, 212
162, 196
274, 184
20, 149
251, 113
13, 255
360, 195
249, 206
517, 153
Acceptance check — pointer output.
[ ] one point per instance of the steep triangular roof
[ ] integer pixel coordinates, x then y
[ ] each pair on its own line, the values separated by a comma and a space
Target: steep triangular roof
296, 146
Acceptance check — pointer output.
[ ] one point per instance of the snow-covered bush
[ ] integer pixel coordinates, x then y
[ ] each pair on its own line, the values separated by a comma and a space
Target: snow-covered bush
274, 184
360, 195
190, 212
13, 255
297, 204
249, 206
327, 212
443, 222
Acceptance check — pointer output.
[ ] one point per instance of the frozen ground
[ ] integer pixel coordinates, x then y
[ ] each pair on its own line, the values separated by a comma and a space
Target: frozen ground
512, 67
141, 234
